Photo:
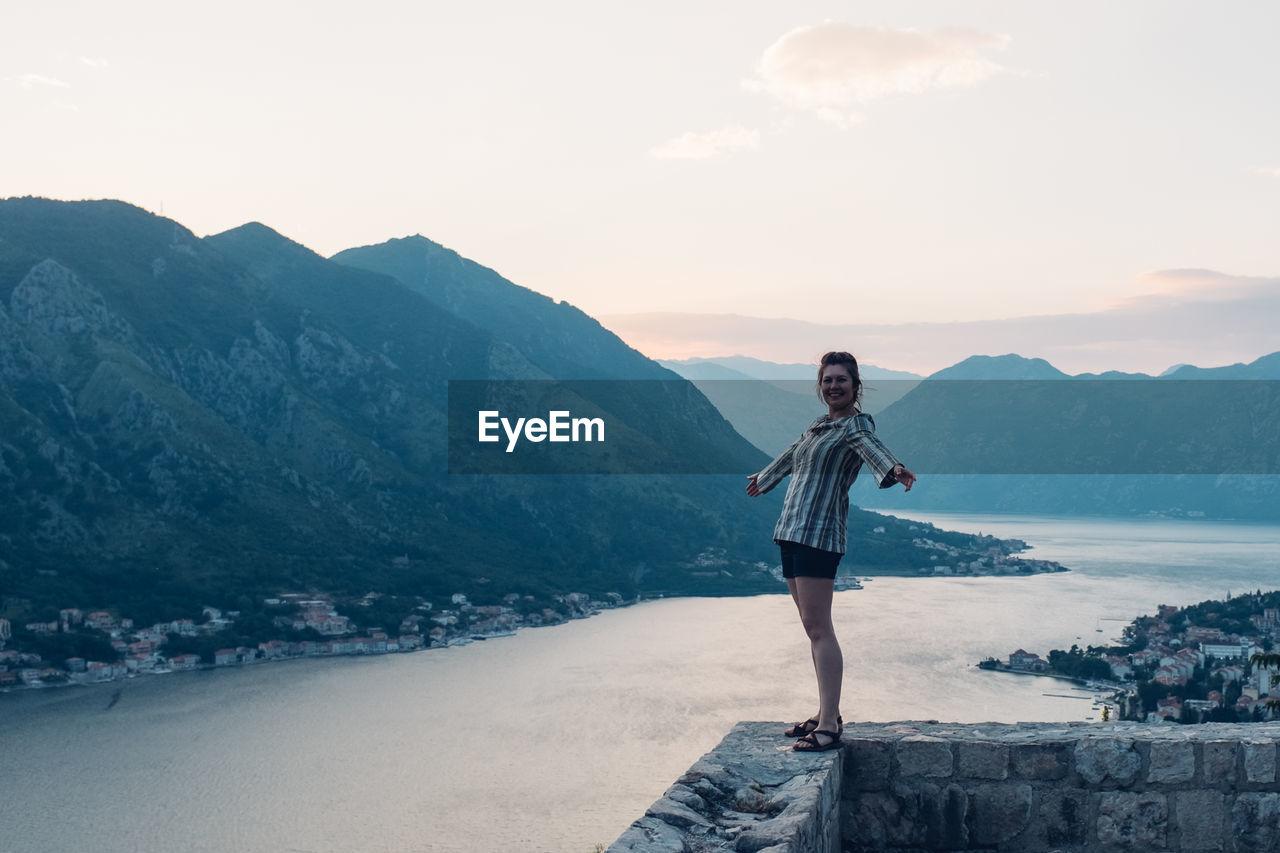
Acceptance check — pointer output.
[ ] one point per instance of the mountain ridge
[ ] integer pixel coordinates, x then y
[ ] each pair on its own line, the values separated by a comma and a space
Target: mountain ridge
189, 421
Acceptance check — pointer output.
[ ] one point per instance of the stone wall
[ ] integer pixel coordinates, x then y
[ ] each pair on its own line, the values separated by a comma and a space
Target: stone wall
1074, 788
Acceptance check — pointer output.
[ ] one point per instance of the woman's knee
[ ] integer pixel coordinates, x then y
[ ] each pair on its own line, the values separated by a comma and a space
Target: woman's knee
817, 627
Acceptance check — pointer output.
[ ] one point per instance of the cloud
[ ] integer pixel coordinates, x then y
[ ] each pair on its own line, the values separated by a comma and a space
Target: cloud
713, 143
1273, 171
29, 81
831, 68
93, 62
1167, 287
1226, 319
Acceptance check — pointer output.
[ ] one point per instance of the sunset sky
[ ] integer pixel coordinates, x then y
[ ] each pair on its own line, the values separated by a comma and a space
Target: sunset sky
848, 164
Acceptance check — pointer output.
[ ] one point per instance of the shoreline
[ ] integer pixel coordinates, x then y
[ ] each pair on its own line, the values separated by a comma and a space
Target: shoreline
844, 583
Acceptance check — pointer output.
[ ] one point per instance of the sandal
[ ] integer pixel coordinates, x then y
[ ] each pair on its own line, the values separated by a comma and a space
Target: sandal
809, 743
803, 728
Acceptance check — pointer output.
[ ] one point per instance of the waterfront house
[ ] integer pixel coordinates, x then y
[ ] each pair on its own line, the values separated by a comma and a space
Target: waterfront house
274, 649
96, 670
1026, 661
224, 657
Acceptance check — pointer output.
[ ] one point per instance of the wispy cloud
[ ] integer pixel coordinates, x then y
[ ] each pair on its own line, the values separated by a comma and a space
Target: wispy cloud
1180, 286
703, 146
832, 68
94, 62
1273, 171
30, 81
1147, 333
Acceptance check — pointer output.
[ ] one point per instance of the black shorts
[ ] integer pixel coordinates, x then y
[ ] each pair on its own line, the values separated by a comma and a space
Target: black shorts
803, 561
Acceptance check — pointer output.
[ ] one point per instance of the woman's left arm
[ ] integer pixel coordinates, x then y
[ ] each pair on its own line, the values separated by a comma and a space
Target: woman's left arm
886, 467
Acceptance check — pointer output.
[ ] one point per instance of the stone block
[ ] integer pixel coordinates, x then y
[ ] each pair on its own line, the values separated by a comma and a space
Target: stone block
866, 764
1201, 820
1172, 761
879, 820
1000, 812
1219, 761
1038, 761
921, 755
686, 796
1102, 760
675, 814
1060, 820
982, 760
1259, 760
1133, 821
939, 813
650, 835
788, 832
1255, 823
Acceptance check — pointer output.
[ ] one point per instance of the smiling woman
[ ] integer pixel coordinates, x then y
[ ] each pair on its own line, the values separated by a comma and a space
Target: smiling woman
811, 530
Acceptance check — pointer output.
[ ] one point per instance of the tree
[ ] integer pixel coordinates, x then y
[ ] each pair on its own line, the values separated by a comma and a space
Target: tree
1269, 660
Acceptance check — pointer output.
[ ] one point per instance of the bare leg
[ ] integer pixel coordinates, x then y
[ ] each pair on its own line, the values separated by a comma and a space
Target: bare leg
813, 599
795, 596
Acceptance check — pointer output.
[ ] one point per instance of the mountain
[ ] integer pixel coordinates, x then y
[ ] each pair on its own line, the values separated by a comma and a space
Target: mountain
773, 403
189, 421
559, 338
1267, 367
703, 368
1011, 366
1011, 434
741, 366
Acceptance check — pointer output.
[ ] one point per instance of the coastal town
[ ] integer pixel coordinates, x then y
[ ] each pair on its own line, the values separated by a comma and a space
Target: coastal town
948, 560
1211, 662
83, 646
129, 650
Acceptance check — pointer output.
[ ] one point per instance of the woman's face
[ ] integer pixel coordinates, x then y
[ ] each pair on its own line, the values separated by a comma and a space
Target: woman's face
837, 386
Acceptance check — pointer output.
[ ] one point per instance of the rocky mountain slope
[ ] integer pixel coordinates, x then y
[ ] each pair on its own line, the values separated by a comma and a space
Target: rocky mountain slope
189, 421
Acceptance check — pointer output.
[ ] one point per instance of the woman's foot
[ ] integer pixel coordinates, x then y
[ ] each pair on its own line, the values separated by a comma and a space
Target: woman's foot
818, 740
809, 725
802, 729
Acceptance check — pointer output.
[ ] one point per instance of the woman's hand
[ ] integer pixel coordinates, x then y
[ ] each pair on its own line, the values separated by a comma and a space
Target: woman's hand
903, 476
752, 489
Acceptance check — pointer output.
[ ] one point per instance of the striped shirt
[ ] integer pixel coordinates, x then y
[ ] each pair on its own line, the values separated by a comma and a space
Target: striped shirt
823, 464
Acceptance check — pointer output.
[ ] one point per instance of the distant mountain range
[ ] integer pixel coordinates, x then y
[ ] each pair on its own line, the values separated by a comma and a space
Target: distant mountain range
189, 421
745, 367
1029, 424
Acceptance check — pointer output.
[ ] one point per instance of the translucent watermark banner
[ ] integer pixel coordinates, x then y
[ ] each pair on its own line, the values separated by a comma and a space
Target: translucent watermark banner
592, 426
1032, 427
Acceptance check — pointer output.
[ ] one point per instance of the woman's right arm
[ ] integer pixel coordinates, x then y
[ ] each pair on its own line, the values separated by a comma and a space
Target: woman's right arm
772, 474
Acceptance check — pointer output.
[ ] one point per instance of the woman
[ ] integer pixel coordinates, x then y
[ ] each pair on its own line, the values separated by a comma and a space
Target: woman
823, 463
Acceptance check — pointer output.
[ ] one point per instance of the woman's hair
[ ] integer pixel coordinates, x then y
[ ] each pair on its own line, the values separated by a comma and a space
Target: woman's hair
851, 364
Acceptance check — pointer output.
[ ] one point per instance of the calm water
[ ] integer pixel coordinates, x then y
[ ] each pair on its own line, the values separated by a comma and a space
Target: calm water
557, 738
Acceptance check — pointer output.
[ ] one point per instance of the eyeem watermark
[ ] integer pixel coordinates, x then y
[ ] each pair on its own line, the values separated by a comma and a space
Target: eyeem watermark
591, 426
1021, 427
559, 426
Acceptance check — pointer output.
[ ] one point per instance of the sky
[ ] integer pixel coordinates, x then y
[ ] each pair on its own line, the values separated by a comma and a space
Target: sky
889, 175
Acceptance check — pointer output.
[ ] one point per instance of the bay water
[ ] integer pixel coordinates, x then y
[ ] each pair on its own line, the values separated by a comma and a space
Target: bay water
556, 738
